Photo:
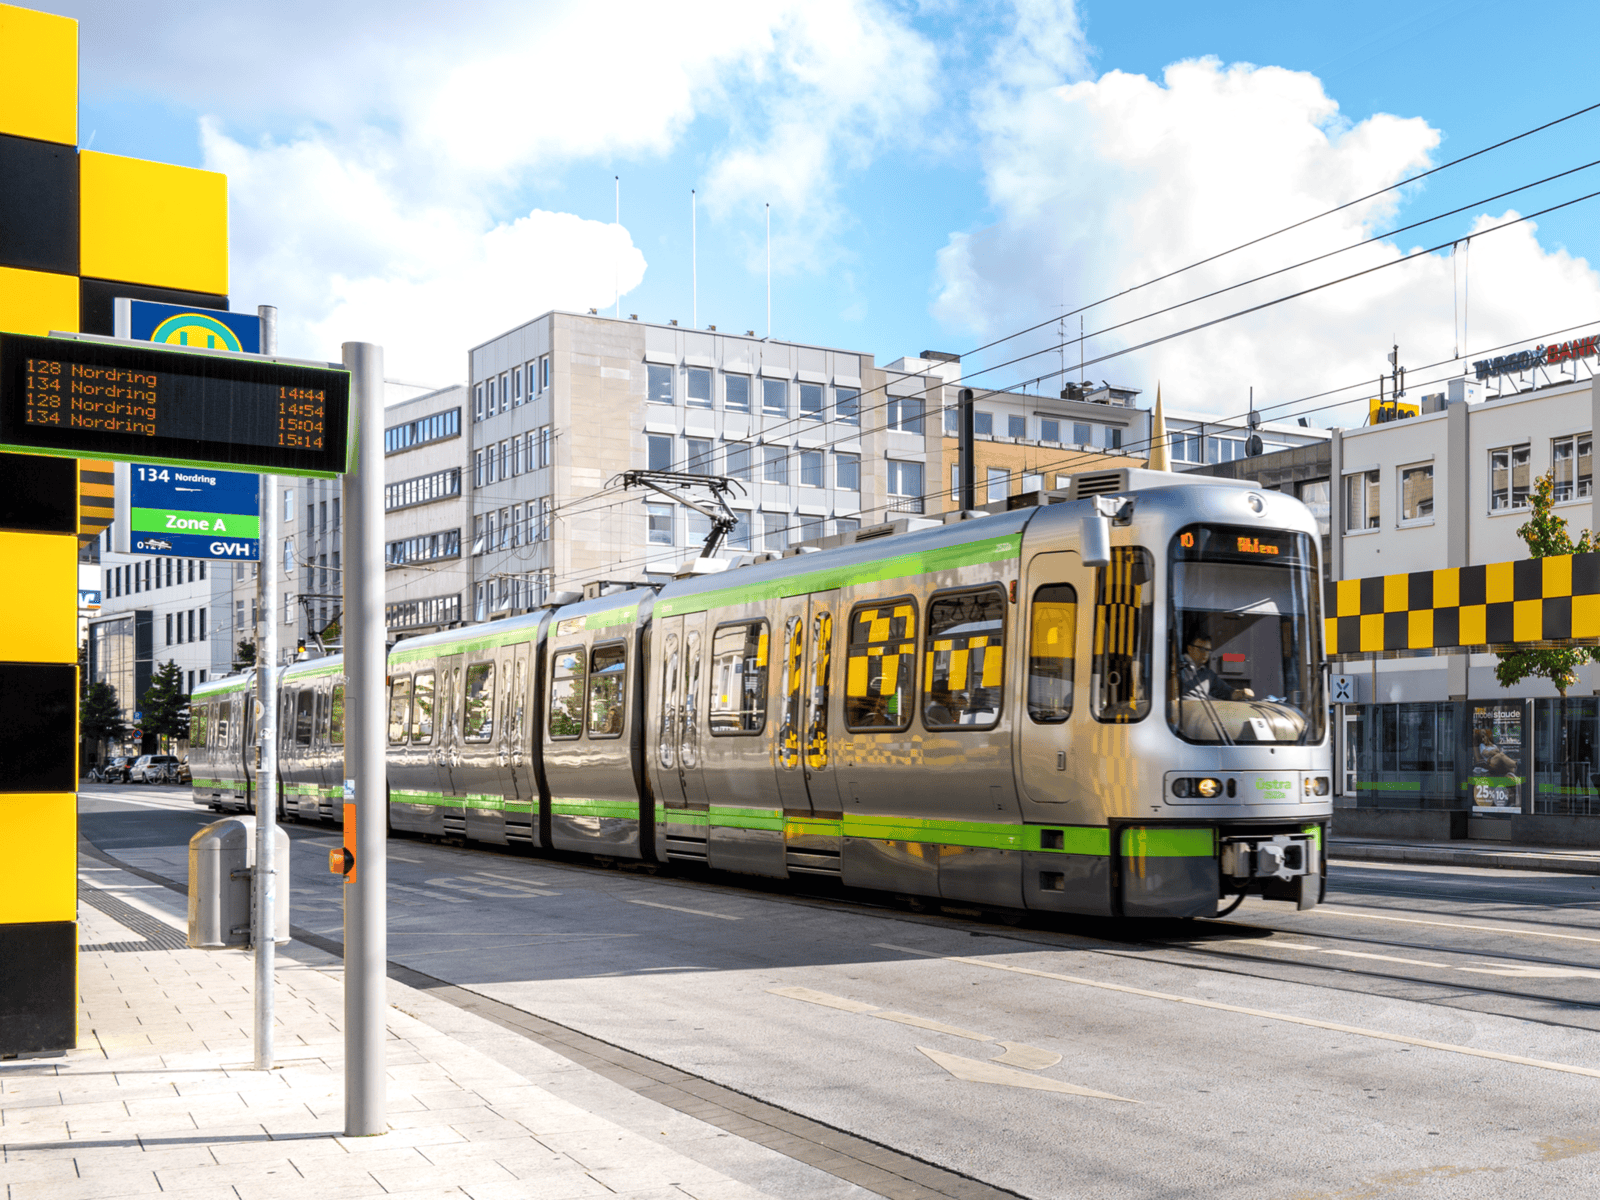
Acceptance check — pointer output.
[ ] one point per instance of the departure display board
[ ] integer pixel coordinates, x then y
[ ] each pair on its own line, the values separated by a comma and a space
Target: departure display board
141, 403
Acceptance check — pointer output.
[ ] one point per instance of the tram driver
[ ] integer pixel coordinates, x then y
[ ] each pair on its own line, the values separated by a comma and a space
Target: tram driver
1196, 679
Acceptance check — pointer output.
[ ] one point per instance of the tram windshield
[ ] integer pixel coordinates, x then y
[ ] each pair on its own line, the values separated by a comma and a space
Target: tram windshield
1243, 664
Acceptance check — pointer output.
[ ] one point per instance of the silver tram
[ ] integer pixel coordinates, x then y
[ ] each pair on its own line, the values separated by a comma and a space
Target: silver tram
1110, 702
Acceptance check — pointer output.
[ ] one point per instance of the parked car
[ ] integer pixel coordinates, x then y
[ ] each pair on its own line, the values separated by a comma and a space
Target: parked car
116, 770
151, 768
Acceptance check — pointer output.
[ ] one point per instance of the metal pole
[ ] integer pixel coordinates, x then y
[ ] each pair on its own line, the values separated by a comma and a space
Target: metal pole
967, 446
366, 784
694, 260
262, 932
769, 271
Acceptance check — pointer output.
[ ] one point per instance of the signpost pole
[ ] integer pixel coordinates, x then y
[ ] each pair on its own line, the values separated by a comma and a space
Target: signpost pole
366, 785
264, 932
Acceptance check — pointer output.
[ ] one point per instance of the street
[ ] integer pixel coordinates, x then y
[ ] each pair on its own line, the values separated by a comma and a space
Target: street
1429, 1031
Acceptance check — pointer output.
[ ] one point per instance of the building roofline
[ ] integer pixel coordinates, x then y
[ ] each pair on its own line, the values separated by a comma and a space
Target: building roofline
562, 312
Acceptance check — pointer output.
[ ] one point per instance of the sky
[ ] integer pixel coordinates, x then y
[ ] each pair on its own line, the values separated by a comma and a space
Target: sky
974, 178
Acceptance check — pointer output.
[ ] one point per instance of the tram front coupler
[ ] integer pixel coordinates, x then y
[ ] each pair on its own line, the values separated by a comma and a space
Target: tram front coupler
1286, 856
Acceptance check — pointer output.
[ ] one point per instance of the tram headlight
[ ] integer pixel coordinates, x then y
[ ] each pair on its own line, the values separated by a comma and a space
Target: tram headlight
1317, 786
1208, 787
1182, 788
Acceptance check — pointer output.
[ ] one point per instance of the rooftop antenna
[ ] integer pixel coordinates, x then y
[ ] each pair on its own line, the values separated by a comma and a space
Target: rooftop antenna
616, 265
769, 271
694, 260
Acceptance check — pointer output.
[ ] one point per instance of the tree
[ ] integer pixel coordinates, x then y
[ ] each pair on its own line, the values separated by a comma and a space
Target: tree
244, 655
165, 707
100, 715
1546, 535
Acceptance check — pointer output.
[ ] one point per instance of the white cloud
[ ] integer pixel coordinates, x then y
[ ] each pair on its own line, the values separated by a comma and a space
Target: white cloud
1104, 183
381, 203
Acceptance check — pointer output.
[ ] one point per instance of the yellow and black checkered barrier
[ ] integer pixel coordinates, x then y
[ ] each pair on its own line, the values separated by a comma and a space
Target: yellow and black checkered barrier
1530, 600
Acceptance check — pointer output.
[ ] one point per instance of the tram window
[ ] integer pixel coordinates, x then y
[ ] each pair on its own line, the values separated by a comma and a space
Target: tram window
791, 688
964, 663
667, 751
197, 725
1051, 649
738, 678
336, 716
223, 710
608, 671
566, 694
1124, 593
322, 718
817, 717
302, 716
880, 672
519, 697
422, 707
478, 725
399, 705
689, 747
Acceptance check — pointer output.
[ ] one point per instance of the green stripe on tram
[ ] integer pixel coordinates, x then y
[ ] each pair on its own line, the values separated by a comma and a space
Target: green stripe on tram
1154, 841
901, 566
627, 810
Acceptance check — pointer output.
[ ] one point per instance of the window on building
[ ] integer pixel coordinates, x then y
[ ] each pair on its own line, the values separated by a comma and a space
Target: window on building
288, 504
775, 464
739, 655
700, 457
544, 446
1032, 482
1572, 459
288, 556
998, 481
905, 413
775, 397
659, 519
736, 393
847, 405
1082, 433
658, 384
516, 386
544, 372
697, 528
905, 484
1317, 495
1361, 501
811, 401
739, 535
847, 472
1016, 427
1114, 439
660, 451
811, 468
505, 393
736, 460
982, 424
697, 387
1509, 478
846, 524
952, 422
477, 403
964, 659
1416, 493
169, 629
774, 532
812, 527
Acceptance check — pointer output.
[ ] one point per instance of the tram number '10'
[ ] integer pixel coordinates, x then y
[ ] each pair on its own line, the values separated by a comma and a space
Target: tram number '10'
302, 417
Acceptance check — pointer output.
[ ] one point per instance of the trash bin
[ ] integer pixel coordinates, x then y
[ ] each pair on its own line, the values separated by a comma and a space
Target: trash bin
221, 858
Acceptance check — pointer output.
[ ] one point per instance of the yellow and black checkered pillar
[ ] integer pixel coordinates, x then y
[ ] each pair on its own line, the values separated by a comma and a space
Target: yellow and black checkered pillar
77, 230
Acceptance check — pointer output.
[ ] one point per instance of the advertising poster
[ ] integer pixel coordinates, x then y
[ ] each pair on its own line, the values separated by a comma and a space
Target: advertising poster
1495, 753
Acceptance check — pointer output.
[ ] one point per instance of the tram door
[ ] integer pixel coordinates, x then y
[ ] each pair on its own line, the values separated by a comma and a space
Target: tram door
1060, 591
803, 747
680, 723
516, 745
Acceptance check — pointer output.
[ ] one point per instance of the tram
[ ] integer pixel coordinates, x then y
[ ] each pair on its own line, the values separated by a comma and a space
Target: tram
1108, 701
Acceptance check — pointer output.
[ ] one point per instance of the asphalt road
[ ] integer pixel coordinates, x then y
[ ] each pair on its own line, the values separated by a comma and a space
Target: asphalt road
1428, 1032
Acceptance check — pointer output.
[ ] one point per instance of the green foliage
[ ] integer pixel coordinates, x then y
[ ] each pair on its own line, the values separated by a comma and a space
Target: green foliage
1546, 535
100, 714
165, 707
244, 654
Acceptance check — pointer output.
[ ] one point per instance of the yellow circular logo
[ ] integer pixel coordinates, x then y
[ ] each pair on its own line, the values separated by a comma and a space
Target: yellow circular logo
196, 329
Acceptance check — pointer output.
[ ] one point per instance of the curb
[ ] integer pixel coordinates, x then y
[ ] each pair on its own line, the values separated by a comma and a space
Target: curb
1437, 856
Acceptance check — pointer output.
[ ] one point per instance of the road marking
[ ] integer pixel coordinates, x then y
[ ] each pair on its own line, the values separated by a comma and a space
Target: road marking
1287, 1018
933, 1026
824, 999
1310, 949
974, 1070
487, 889
698, 912
1029, 1058
1531, 971
416, 891
1343, 912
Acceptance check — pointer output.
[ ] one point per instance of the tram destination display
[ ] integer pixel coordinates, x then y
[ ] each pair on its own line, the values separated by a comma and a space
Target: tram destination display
143, 403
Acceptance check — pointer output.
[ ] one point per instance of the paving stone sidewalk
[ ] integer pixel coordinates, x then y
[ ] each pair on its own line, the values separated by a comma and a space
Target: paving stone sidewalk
1495, 855
160, 1098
